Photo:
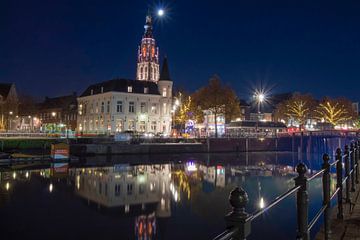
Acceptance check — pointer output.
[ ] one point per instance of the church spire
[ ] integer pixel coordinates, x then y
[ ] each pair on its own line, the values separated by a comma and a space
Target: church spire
165, 74
148, 54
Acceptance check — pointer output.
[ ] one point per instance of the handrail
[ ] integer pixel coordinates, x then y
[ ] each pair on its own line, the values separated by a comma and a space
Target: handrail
317, 216
239, 221
273, 203
227, 234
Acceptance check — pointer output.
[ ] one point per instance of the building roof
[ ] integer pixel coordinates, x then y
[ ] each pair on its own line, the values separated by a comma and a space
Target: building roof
59, 102
254, 124
165, 73
121, 85
5, 89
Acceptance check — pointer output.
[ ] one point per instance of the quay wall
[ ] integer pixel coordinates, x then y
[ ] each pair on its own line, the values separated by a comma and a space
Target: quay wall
305, 144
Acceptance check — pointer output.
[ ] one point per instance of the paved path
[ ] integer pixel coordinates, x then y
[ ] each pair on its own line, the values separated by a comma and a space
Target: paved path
349, 228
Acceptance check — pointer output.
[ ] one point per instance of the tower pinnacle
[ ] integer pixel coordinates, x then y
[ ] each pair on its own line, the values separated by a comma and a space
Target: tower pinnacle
148, 54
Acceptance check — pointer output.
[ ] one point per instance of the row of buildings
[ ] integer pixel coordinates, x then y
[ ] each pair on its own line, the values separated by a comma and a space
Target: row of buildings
143, 104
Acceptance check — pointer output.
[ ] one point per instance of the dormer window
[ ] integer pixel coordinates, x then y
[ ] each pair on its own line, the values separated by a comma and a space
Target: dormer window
92, 92
146, 90
102, 89
130, 89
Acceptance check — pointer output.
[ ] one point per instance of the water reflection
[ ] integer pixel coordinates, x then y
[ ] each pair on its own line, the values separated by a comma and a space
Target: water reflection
152, 198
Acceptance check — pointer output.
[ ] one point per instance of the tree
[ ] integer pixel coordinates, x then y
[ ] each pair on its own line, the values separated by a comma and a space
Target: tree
335, 111
299, 107
219, 99
186, 110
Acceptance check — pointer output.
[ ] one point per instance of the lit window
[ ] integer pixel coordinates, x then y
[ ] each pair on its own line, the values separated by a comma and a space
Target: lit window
131, 107
164, 93
143, 107
153, 108
130, 89
119, 106
146, 90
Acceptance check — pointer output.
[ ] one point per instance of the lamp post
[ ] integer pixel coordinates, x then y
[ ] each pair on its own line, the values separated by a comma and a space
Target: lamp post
10, 119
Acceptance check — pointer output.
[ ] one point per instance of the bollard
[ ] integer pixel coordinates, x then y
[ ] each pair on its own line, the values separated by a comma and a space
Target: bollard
352, 166
357, 152
326, 195
302, 203
339, 179
347, 170
237, 218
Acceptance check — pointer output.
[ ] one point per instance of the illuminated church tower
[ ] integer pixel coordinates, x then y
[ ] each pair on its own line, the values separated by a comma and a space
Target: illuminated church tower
148, 55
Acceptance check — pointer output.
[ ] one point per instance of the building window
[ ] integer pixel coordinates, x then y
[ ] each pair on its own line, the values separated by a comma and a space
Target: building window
130, 89
91, 92
146, 90
80, 109
119, 125
129, 188
119, 106
131, 107
108, 107
164, 92
141, 188
153, 108
143, 107
131, 125
153, 126
164, 108
117, 190
142, 126
102, 89
102, 107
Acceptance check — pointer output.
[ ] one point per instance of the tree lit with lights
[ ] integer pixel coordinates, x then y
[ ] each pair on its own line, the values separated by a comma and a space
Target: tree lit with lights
335, 111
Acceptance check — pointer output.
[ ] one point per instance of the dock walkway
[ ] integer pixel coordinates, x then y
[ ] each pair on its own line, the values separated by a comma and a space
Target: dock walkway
349, 228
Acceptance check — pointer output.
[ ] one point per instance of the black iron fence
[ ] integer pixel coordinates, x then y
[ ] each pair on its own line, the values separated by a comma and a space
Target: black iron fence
238, 221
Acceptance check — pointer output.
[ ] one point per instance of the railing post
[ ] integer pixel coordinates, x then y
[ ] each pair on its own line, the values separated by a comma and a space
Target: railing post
237, 218
357, 152
347, 170
326, 195
339, 179
302, 203
352, 166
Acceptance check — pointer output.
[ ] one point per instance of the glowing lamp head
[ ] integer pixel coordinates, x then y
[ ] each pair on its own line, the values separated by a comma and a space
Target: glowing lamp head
261, 97
160, 12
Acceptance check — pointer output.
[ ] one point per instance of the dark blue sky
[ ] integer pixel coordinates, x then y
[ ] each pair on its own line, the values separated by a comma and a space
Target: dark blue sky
59, 46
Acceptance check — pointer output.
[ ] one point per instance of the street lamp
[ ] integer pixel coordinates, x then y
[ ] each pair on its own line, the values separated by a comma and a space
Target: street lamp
10, 113
259, 98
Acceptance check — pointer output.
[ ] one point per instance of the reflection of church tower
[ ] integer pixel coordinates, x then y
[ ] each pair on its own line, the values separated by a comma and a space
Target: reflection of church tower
148, 55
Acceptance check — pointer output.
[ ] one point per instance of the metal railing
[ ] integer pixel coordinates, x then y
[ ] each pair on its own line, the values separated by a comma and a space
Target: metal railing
238, 221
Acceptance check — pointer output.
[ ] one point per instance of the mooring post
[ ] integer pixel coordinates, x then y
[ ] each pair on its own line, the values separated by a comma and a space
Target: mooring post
237, 217
352, 165
302, 203
339, 179
347, 175
326, 195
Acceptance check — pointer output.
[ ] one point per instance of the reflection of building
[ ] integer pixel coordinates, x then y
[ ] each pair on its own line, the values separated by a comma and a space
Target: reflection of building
125, 186
214, 175
142, 105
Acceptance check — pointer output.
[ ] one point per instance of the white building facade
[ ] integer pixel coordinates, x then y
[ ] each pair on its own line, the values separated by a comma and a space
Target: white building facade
142, 105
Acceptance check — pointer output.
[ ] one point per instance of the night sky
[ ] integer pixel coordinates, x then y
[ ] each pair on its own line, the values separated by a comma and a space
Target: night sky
60, 46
